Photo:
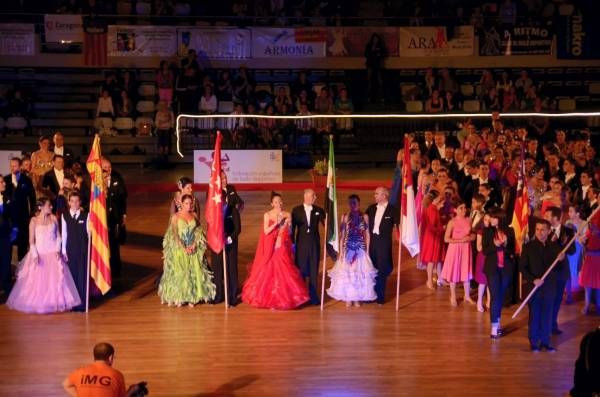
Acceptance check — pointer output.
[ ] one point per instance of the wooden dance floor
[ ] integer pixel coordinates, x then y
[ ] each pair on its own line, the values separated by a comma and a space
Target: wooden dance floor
426, 349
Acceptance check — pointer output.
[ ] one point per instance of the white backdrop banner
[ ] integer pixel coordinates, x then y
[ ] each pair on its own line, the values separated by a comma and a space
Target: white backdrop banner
286, 43
432, 41
141, 41
241, 166
215, 43
63, 28
5, 156
17, 39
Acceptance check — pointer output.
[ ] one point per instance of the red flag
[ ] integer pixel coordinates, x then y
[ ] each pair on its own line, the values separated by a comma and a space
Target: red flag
520, 220
410, 230
94, 48
213, 213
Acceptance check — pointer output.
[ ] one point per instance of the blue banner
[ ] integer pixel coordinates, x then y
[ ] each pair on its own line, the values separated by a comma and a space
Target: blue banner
577, 34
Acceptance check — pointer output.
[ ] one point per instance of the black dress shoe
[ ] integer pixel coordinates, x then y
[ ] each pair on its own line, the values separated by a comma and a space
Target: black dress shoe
500, 331
556, 331
535, 348
548, 348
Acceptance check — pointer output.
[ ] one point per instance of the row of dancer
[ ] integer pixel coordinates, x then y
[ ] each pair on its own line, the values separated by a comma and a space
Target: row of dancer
284, 271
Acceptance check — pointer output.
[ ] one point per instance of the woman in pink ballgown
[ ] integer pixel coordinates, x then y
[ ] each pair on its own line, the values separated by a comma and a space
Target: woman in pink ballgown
275, 281
457, 263
44, 283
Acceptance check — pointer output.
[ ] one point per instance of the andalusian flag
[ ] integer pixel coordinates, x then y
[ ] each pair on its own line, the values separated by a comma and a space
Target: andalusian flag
410, 230
332, 238
100, 253
520, 220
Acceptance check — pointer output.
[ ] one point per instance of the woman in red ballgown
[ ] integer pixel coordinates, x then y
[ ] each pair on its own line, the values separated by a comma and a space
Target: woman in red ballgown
432, 236
274, 281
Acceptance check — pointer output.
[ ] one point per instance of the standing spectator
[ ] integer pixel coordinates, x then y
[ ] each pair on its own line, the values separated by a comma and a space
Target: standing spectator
85, 380
187, 88
105, 106
41, 161
224, 87
165, 81
52, 181
116, 208
164, 122
208, 103
343, 105
375, 54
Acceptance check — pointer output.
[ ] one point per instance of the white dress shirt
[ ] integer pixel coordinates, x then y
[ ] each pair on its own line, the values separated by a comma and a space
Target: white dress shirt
378, 217
59, 150
584, 190
60, 177
307, 211
63, 227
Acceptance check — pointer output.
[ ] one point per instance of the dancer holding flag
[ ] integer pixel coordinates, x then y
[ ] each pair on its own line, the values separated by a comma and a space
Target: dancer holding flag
353, 276
409, 230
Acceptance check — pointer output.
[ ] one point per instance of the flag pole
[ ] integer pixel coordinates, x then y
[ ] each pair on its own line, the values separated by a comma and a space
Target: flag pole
399, 251
89, 264
225, 279
562, 252
324, 263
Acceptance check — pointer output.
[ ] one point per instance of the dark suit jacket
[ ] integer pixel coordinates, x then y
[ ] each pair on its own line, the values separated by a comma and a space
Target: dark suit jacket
495, 194
573, 184
68, 156
8, 219
232, 224
433, 153
116, 200
23, 198
536, 258
562, 267
306, 237
50, 183
490, 250
382, 243
452, 168
233, 197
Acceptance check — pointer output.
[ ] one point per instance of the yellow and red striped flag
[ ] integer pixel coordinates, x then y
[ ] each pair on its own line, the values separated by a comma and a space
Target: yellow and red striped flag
520, 220
100, 253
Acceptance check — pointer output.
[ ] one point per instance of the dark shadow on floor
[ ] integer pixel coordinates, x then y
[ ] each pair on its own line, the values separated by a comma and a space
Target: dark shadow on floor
229, 388
131, 276
144, 240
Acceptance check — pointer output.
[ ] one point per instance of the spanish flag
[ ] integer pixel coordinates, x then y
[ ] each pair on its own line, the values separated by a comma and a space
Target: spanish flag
520, 220
100, 253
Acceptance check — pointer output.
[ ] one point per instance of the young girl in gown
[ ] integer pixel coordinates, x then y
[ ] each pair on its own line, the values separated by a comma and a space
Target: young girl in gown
186, 278
44, 283
431, 235
579, 226
274, 281
457, 263
353, 276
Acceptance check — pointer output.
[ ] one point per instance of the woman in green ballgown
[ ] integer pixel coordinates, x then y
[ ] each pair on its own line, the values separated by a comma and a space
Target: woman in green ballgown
186, 278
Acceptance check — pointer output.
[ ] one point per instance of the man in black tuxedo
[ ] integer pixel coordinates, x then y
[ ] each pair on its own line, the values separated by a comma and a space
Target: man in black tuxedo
537, 256
585, 183
233, 227
305, 232
484, 177
19, 189
450, 164
571, 179
438, 149
561, 235
116, 213
8, 233
383, 217
60, 149
468, 187
52, 181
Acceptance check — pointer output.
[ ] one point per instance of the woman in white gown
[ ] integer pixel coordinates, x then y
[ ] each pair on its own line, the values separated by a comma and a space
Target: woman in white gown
353, 276
44, 282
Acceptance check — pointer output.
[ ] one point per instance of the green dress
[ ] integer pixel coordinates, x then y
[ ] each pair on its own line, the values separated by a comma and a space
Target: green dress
186, 277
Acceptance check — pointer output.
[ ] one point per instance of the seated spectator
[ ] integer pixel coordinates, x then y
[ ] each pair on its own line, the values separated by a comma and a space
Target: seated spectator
208, 102
323, 105
343, 105
504, 84
126, 105
190, 60
164, 122
447, 82
509, 100
207, 81
99, 378
165, 81
528, 101
303, 99
267, 128
450, 102
187, 90
523, 83
105, 106
486, 83
282, 98
111, 85
18, 106
491, 101
435, 104
224, 87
